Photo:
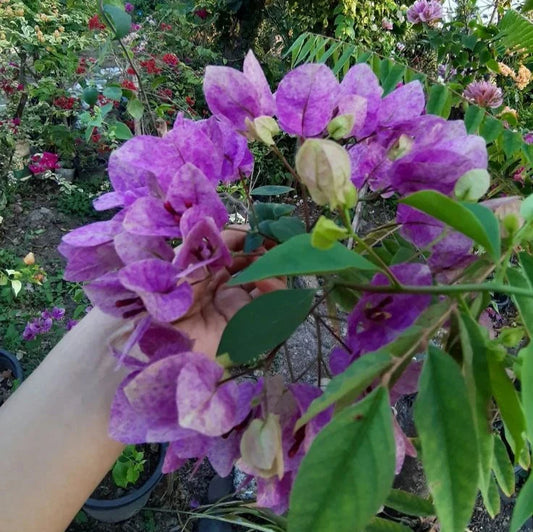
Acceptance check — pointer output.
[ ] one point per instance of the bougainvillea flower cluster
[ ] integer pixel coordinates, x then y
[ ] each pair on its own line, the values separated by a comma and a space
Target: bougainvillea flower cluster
425, 12
141, 265
43, 323
42, 162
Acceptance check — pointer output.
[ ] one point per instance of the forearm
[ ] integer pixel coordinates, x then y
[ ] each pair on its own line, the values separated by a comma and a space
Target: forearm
54, 446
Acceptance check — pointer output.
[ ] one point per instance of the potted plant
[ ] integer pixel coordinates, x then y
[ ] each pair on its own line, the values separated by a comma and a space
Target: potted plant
10, 375
128, 485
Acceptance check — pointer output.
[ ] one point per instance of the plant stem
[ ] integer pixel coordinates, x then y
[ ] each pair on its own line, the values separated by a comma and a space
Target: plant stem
132, 65
438, 289
370, 250
295, 175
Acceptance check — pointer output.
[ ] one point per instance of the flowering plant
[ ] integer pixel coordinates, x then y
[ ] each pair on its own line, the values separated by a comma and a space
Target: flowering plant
430, 269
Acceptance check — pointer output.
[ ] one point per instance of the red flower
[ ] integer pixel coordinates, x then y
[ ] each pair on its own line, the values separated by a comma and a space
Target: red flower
81, 69
165, 27
170, 59
190, 101
65, 103
96, 24
150, 66
130, 71
201, 13
165, 94
127, 84
95, 137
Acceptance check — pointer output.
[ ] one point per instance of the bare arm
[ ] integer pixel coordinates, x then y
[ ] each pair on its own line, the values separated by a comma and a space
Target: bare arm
54, 446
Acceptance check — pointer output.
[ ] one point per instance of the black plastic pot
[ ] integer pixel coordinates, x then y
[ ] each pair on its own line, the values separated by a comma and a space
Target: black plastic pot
9, 361
116, 510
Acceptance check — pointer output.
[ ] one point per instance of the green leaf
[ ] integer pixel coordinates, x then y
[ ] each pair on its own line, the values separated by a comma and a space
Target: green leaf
512, 142
508, 402
105, 109
359, 450
474, 345
264, 323
120, 474
439, 101
503, 467
270, 211
528, 6
526, 209
407, 503
16, 286
473, 118
297, 256
135, 108
120, 19
90, 95
271, 190
524, 505
286, 227
113, 92
377, 524
492, 498
121, 131
490, 128
394, 76
473, 220
526, 355
353, 381
523, 303
448, 437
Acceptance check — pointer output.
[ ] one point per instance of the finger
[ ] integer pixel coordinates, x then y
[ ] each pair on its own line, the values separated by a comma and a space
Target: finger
234, 236
270, 285
230, 300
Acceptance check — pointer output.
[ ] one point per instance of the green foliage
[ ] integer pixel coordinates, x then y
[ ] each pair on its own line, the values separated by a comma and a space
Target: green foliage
410, 504
247, 336
348, 385
449, 446
128, 467
304, 259
358, 446
473, 220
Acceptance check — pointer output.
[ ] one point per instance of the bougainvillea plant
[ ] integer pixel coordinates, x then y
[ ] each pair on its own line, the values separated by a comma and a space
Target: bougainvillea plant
407, 300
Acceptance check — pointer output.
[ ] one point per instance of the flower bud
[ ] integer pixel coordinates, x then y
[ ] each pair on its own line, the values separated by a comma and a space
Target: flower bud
29, 259
261, 447
341, 126
263, 129
401, 147
473, 185
325, 169
511, 223
326, 232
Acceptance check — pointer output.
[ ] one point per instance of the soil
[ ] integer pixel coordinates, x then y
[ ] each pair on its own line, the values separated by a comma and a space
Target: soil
108, 490
7, 383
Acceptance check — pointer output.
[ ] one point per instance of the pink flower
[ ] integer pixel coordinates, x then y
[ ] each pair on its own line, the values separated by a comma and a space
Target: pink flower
43, 162
386, 24
128, 7
425, 12
484, 94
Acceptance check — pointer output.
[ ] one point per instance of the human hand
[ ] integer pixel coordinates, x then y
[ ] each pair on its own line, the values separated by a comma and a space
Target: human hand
215, 303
